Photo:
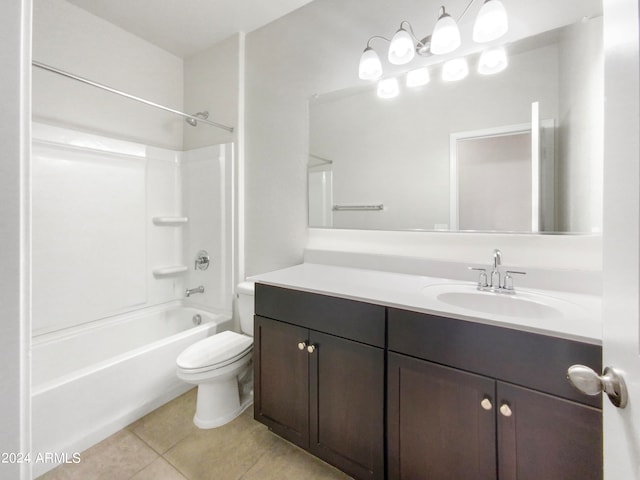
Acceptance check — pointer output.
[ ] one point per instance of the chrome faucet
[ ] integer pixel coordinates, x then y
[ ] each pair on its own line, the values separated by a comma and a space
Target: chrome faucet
495, 273
191, 291
494, 282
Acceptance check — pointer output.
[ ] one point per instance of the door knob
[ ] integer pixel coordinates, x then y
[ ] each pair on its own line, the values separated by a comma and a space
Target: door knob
311, 348
302, 345
589, 382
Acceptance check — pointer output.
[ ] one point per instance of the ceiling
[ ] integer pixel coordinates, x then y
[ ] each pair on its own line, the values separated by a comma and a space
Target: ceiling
186, 27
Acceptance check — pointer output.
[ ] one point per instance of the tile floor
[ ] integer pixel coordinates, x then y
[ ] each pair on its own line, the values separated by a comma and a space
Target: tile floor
166, 445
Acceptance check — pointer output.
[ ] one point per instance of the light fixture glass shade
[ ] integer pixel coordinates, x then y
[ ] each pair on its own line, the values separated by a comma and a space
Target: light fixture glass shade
446, 35
492, 61
418, 77
370, 67
402, 50
388, 88
492, 22
454, 70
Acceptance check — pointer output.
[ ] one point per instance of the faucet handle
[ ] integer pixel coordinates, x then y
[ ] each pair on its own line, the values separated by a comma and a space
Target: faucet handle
508, 279
202, 260
482, 278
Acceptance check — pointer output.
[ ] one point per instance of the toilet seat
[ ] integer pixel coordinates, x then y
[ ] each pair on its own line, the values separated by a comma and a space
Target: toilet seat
214, 352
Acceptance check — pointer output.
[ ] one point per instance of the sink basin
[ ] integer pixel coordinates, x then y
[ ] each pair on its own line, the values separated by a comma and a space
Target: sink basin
522, 304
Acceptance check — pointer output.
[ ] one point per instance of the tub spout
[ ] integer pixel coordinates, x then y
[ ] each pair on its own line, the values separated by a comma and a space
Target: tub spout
191, 291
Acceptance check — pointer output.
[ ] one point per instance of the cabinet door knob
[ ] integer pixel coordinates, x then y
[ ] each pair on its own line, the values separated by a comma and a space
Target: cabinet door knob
486, 403
302, 345
505, 410
311, 348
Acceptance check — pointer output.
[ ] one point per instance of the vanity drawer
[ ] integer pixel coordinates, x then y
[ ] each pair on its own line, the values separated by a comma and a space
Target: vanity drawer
362, 322
531, 360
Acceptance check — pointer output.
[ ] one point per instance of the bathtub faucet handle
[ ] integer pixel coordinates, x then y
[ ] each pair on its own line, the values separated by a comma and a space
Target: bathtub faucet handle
190, 291
202, 260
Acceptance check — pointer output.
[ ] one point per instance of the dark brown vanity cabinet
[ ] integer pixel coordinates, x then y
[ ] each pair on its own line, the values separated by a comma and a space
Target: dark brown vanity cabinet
474, 401
319, 376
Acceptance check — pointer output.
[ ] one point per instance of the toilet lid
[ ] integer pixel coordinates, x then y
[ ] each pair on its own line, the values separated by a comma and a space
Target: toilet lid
215, 351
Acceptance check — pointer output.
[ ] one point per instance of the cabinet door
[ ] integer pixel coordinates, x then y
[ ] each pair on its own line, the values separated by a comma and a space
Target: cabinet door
281, 379
441, 422
542, 436
347, 405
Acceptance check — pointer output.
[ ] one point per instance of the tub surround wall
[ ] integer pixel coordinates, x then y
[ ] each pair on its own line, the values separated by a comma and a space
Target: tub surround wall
83, 201
207, 198
164, 245
97, 249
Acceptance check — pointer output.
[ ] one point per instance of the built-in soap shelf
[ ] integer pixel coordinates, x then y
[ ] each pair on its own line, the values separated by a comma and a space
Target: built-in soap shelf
169, 221
169, 270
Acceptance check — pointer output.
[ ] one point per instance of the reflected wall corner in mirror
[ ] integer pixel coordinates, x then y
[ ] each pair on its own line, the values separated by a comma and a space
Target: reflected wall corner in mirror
519, 152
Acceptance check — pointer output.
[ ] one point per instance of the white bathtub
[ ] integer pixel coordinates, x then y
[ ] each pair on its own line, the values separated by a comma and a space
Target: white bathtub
91, 382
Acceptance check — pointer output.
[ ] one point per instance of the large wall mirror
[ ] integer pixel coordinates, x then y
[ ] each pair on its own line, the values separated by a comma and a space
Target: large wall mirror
517, 151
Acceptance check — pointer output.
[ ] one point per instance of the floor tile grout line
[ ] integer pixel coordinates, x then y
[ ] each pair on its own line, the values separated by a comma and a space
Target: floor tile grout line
137, 472
184, 474
161, 455
252, 465
145, 442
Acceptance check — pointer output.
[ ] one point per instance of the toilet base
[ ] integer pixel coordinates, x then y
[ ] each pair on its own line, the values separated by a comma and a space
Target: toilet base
222, 401
219, 420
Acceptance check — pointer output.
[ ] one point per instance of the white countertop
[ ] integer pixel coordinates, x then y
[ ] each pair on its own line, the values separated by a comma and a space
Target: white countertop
581, 317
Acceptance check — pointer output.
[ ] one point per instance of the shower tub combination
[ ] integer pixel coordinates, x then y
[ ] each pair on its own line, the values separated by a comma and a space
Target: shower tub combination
95, 380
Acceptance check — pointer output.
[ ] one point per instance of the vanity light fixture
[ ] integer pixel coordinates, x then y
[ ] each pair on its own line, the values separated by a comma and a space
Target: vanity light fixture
417, 77
388, 88
455, 70
370, 66
401, 49
446, 34
491, 23
492, 61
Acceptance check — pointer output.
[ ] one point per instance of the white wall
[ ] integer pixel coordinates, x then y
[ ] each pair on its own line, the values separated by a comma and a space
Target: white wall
316, 49
15, 41
211, 82
581, 133
71, 39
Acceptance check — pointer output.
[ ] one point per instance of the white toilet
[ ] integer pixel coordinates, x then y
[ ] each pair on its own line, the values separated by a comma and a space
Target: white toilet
221, 367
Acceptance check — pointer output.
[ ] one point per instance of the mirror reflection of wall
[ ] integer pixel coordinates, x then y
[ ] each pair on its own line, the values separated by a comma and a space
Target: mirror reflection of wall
484, 200
396, 151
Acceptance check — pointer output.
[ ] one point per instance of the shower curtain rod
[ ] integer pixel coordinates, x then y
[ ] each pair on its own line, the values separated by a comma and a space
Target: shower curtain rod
127, 95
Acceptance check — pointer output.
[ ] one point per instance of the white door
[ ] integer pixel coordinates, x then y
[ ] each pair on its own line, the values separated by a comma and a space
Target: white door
621, 239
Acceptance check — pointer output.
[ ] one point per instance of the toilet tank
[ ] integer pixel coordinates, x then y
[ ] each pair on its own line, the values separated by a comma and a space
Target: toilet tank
245, 292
